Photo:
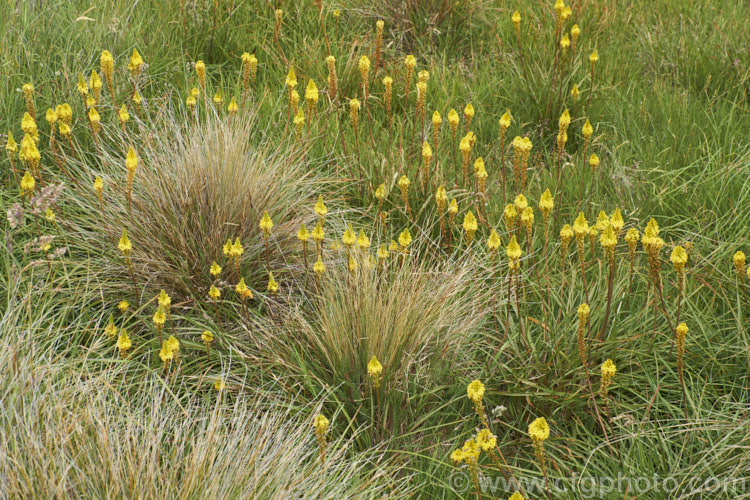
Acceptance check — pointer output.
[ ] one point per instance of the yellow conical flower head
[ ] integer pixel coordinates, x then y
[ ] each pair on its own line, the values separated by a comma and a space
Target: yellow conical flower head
426, 153
111, 330
580, 226
320, 423
546, 203
217, 98
527, 218
302, 234
393, 247
574, 92
124, 244
679, 258
404, 239
453, 207
243, 290
207, 337
374, 370
380, 192
311, 93
469, 112
131, 161
320, 207
266, 224
513, 250
441, 198
470, 225
594, 162
364, 67
28, 183
166, 354
137, 99
291, 78
190, 102
11, 146
424, 76
353, 264
587, 130
504, 122
215, 269
602, 221
135, 64
575, 32
437, 120
608, 239
299, 120
195, 92
123, 306
123, 342
516, 18
164, 299
594, 57
516, 496
173, 344
317, 233
95, 83
608, 369
632, 237
403, 183
82, 86
565, 42
319, 268
465, 147
123, 115
475, 391
249, 67
227, 248
159, 317
410, 62
28, 125
559, 7
562, 139
566, 234
470, 451
509, 216
583, 313
363, 242
107, 64
233, 107
383, 252
214, 293
493, 242
616, 221
273, 287
354, 112
453, 120
564, 121
653, 227
348, 237
521, 203
421, 94
486, 440
237, 248
478, 165
738, 259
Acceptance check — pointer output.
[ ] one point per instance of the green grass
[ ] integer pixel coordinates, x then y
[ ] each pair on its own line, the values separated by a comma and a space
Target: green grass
670, 114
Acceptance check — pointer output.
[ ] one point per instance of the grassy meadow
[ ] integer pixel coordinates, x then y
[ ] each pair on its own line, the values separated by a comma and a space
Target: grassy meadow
375, 249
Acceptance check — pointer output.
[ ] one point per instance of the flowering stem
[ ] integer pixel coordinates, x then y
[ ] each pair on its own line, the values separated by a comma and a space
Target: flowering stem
610, 285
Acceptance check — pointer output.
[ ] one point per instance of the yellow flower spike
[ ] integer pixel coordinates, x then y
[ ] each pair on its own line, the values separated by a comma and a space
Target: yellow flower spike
123, 306
475, 391
190, 102
96, 85
470, 226
319, 268
437, 120
539, 430
478, 165
509, 216
679, 258
559, 7
159, 317
131, 163
426, 154
587, 130
266, 224
616, 221
137, 98
173, 344
381, 193
516, 496
566, 234
468, 113
504, 122
403, 184
28, 95
135, 64
51, 117
388, 85
374, 370
410, 63
738, 259
220, 385
527, 219
575, 32
608, 241
521, 203
516, 19
546, 204
311, 94
166, 354
580, 226
457, 456
594, 58
393, 246
299, 120
441, 198
363, 242
302, 234
164, 299
565, 43
195, 92
364, 68
123, 115
383, 253
602, 221
353, 264
94, 118
273, 287
123, 342
493, 242
249, 68
453, 207
214, 293
82, 86
215, 270
332, 78
28, 183
404, 239
453, 121
233, 107
574, 92
227, 248
217, 98
486, 440
11, 146
320, 207
513, 252
124, 244
110, 330
317, 233
354, 112
564, 121
348, 238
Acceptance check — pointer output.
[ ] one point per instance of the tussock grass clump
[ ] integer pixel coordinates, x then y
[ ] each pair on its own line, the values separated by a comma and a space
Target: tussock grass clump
201, 185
